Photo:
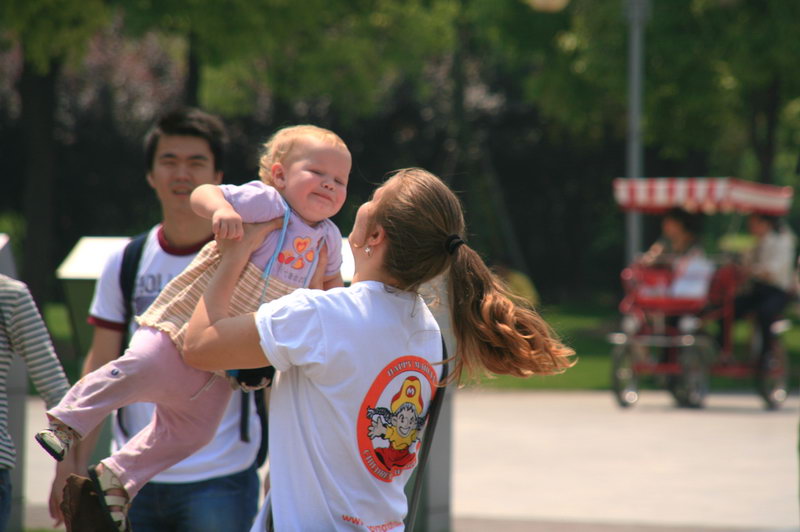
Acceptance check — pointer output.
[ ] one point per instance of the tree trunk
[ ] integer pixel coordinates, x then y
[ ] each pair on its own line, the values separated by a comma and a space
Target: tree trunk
456, 134
764, 127
38, 96
192, 87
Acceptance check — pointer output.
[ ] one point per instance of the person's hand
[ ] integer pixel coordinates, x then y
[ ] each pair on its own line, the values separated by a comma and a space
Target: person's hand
63, 470
252, 237
226, 224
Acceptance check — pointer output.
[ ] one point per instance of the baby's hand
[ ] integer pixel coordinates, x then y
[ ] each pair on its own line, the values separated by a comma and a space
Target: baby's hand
253, 236
227, 224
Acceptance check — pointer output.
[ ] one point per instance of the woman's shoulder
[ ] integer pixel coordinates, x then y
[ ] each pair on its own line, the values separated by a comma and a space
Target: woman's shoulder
338, 297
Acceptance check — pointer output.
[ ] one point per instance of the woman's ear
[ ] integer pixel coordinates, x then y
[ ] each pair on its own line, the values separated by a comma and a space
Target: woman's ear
278, 176
376, 236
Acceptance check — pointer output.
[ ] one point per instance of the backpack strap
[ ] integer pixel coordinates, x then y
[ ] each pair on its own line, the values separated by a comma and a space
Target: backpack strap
261, 408
131, 256
427, 439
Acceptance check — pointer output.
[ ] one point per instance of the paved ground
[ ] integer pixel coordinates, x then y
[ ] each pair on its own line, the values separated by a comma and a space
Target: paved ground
575, 462
565, 461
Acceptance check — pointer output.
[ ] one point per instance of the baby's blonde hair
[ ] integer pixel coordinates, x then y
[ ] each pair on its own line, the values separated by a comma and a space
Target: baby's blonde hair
285, 141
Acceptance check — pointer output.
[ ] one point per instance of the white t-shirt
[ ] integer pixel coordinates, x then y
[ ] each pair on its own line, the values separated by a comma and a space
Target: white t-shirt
356, 377
773, 256
692, 276
226, 454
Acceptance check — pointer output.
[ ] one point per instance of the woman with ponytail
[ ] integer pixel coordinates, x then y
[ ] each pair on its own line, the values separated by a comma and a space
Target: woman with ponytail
359, 365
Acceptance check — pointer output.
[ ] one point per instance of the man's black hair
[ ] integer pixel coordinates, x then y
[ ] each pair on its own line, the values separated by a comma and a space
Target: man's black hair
691, 222
774, 222
190, 122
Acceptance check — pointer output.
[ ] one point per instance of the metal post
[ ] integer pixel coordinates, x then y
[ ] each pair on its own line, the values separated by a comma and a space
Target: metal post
434, 513
637, 17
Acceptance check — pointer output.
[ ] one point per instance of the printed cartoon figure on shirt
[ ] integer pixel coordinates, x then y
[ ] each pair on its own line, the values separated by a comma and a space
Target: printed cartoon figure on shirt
398, 425
392, 417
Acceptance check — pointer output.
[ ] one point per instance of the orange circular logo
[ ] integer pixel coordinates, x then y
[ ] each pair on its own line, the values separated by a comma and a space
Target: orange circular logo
393, 414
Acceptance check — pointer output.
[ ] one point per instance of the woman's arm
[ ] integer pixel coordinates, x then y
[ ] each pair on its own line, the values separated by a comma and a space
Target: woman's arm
215, 341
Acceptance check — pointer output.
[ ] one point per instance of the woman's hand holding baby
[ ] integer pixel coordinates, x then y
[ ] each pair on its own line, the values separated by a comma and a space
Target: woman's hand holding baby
251, 237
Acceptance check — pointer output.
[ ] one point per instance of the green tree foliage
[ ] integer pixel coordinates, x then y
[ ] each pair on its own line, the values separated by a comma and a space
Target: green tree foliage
345, 54
522, 111
51, 30
719, 77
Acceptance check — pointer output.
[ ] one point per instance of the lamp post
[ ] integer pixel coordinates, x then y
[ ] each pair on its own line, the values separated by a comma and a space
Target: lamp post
638, 11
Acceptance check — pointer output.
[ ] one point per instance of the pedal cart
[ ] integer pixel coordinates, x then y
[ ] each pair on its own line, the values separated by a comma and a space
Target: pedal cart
665, 332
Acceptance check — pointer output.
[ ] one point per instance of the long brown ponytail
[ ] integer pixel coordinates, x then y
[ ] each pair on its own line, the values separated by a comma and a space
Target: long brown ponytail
494, 333
424, 224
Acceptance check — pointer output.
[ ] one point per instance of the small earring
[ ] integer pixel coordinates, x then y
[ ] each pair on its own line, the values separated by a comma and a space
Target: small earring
368, 251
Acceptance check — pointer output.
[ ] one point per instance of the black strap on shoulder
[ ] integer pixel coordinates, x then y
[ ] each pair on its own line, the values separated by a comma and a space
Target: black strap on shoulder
422, 455
261, 408
131, 257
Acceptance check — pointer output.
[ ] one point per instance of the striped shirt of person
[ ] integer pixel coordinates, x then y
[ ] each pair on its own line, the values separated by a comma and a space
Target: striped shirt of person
23, 334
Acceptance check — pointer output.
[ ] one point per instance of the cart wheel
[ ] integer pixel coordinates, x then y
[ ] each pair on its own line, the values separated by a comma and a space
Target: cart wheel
691, 386
772, 375
624, 380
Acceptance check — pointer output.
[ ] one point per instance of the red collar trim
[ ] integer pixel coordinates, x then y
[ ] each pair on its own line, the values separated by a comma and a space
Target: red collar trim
172, 250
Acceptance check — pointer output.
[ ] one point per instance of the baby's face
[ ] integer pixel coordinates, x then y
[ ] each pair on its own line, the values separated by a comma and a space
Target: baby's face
315, 180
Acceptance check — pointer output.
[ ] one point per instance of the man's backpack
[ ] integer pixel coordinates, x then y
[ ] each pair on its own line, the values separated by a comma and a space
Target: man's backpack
131, 257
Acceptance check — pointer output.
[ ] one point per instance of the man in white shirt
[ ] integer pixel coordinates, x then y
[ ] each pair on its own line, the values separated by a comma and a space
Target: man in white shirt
770, 268
216, 488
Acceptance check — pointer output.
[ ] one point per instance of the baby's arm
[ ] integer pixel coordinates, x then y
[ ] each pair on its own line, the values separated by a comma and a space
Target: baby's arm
209, 202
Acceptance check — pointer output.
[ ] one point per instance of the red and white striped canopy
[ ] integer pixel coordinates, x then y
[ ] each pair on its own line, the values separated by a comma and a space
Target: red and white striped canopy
706, 194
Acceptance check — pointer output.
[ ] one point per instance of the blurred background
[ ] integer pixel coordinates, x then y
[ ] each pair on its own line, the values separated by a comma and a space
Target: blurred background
521, 105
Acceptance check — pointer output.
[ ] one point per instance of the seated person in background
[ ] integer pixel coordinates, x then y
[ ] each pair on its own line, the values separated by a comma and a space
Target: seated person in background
679, 248
769, 268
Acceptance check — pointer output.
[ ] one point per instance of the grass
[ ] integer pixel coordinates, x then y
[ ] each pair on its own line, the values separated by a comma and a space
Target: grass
584, 328
57, 319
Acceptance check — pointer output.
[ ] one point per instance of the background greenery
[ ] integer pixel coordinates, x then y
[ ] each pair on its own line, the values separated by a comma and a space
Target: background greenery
583, 327
522, 109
